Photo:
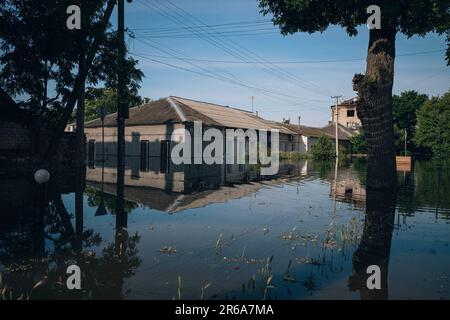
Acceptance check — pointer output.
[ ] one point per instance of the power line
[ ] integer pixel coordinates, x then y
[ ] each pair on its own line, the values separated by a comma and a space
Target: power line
268, 93
294, 62
209, 74
167, 50
286, 73
188, 30
237, 23
243, 33
230, 47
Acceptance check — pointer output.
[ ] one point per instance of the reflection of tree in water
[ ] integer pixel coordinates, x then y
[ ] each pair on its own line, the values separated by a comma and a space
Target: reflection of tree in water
375, 245
110, 201
323, 168
42, 274
433, 183
427, 187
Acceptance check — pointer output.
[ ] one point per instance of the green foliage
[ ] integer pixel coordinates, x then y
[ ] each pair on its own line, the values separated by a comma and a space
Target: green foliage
404, 108
110, 201
414, 17
324, 149
323, 168
106, 98
293, 156
40, 57
359, 142
433, 130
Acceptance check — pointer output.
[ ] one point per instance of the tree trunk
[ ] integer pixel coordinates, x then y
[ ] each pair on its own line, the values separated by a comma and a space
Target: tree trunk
374, 108
80, 118
80, 79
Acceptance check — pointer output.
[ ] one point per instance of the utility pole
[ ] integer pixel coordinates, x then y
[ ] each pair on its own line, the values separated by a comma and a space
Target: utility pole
122, 113
299, 134
336, 123
406, 136
80, 146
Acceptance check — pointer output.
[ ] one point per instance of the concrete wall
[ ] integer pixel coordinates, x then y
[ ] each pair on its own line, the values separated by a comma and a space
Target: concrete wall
294, 144
345, 120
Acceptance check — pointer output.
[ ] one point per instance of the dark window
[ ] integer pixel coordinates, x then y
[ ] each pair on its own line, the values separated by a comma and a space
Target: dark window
350, 113
144, 155
91, 153
229, 168
165, 156
241, 168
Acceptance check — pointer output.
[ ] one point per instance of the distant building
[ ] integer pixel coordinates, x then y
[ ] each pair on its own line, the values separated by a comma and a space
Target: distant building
308, 136
347, 114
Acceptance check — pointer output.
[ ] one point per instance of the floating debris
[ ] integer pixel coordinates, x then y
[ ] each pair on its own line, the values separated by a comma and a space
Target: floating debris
288, 236
204, 287
168, 250
309, 260
245, 260
329, 243
289, 278
219, 244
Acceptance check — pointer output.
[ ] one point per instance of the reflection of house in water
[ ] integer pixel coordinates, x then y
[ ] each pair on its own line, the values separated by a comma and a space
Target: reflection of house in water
186, 193
348, 188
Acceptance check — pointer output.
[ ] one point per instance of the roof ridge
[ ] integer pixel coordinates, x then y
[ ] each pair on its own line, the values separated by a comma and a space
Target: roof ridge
177, 109
211, 103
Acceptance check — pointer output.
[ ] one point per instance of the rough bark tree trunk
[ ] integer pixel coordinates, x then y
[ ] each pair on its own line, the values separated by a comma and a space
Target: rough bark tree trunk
374, 108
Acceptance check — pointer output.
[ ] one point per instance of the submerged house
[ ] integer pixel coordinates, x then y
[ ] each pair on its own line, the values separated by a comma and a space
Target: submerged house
149, 142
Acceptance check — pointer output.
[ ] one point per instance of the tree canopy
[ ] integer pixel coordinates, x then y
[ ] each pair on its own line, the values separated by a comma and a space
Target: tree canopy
106, 98
433, 129
404, 110
40, 56
410, 17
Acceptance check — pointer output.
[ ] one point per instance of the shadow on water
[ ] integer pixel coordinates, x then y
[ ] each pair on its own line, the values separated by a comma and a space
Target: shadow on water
224, 232
38, 241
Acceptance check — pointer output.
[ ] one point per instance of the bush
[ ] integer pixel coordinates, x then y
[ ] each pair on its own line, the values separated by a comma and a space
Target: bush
324, 149
359, 142
433, 126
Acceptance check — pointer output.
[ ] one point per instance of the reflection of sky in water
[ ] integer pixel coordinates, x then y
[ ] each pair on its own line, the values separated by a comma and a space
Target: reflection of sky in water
252, 230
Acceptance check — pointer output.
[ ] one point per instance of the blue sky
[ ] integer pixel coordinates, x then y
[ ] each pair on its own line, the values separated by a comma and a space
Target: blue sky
164, 34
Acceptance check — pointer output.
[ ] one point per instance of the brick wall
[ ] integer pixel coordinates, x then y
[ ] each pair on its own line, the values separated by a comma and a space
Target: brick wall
16, 148
14, 136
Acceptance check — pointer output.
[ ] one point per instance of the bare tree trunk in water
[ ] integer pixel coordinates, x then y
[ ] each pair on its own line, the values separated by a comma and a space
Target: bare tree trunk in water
374, 108
375, 245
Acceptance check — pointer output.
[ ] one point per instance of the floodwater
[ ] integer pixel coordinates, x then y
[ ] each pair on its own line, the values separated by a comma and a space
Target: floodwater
310, 232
